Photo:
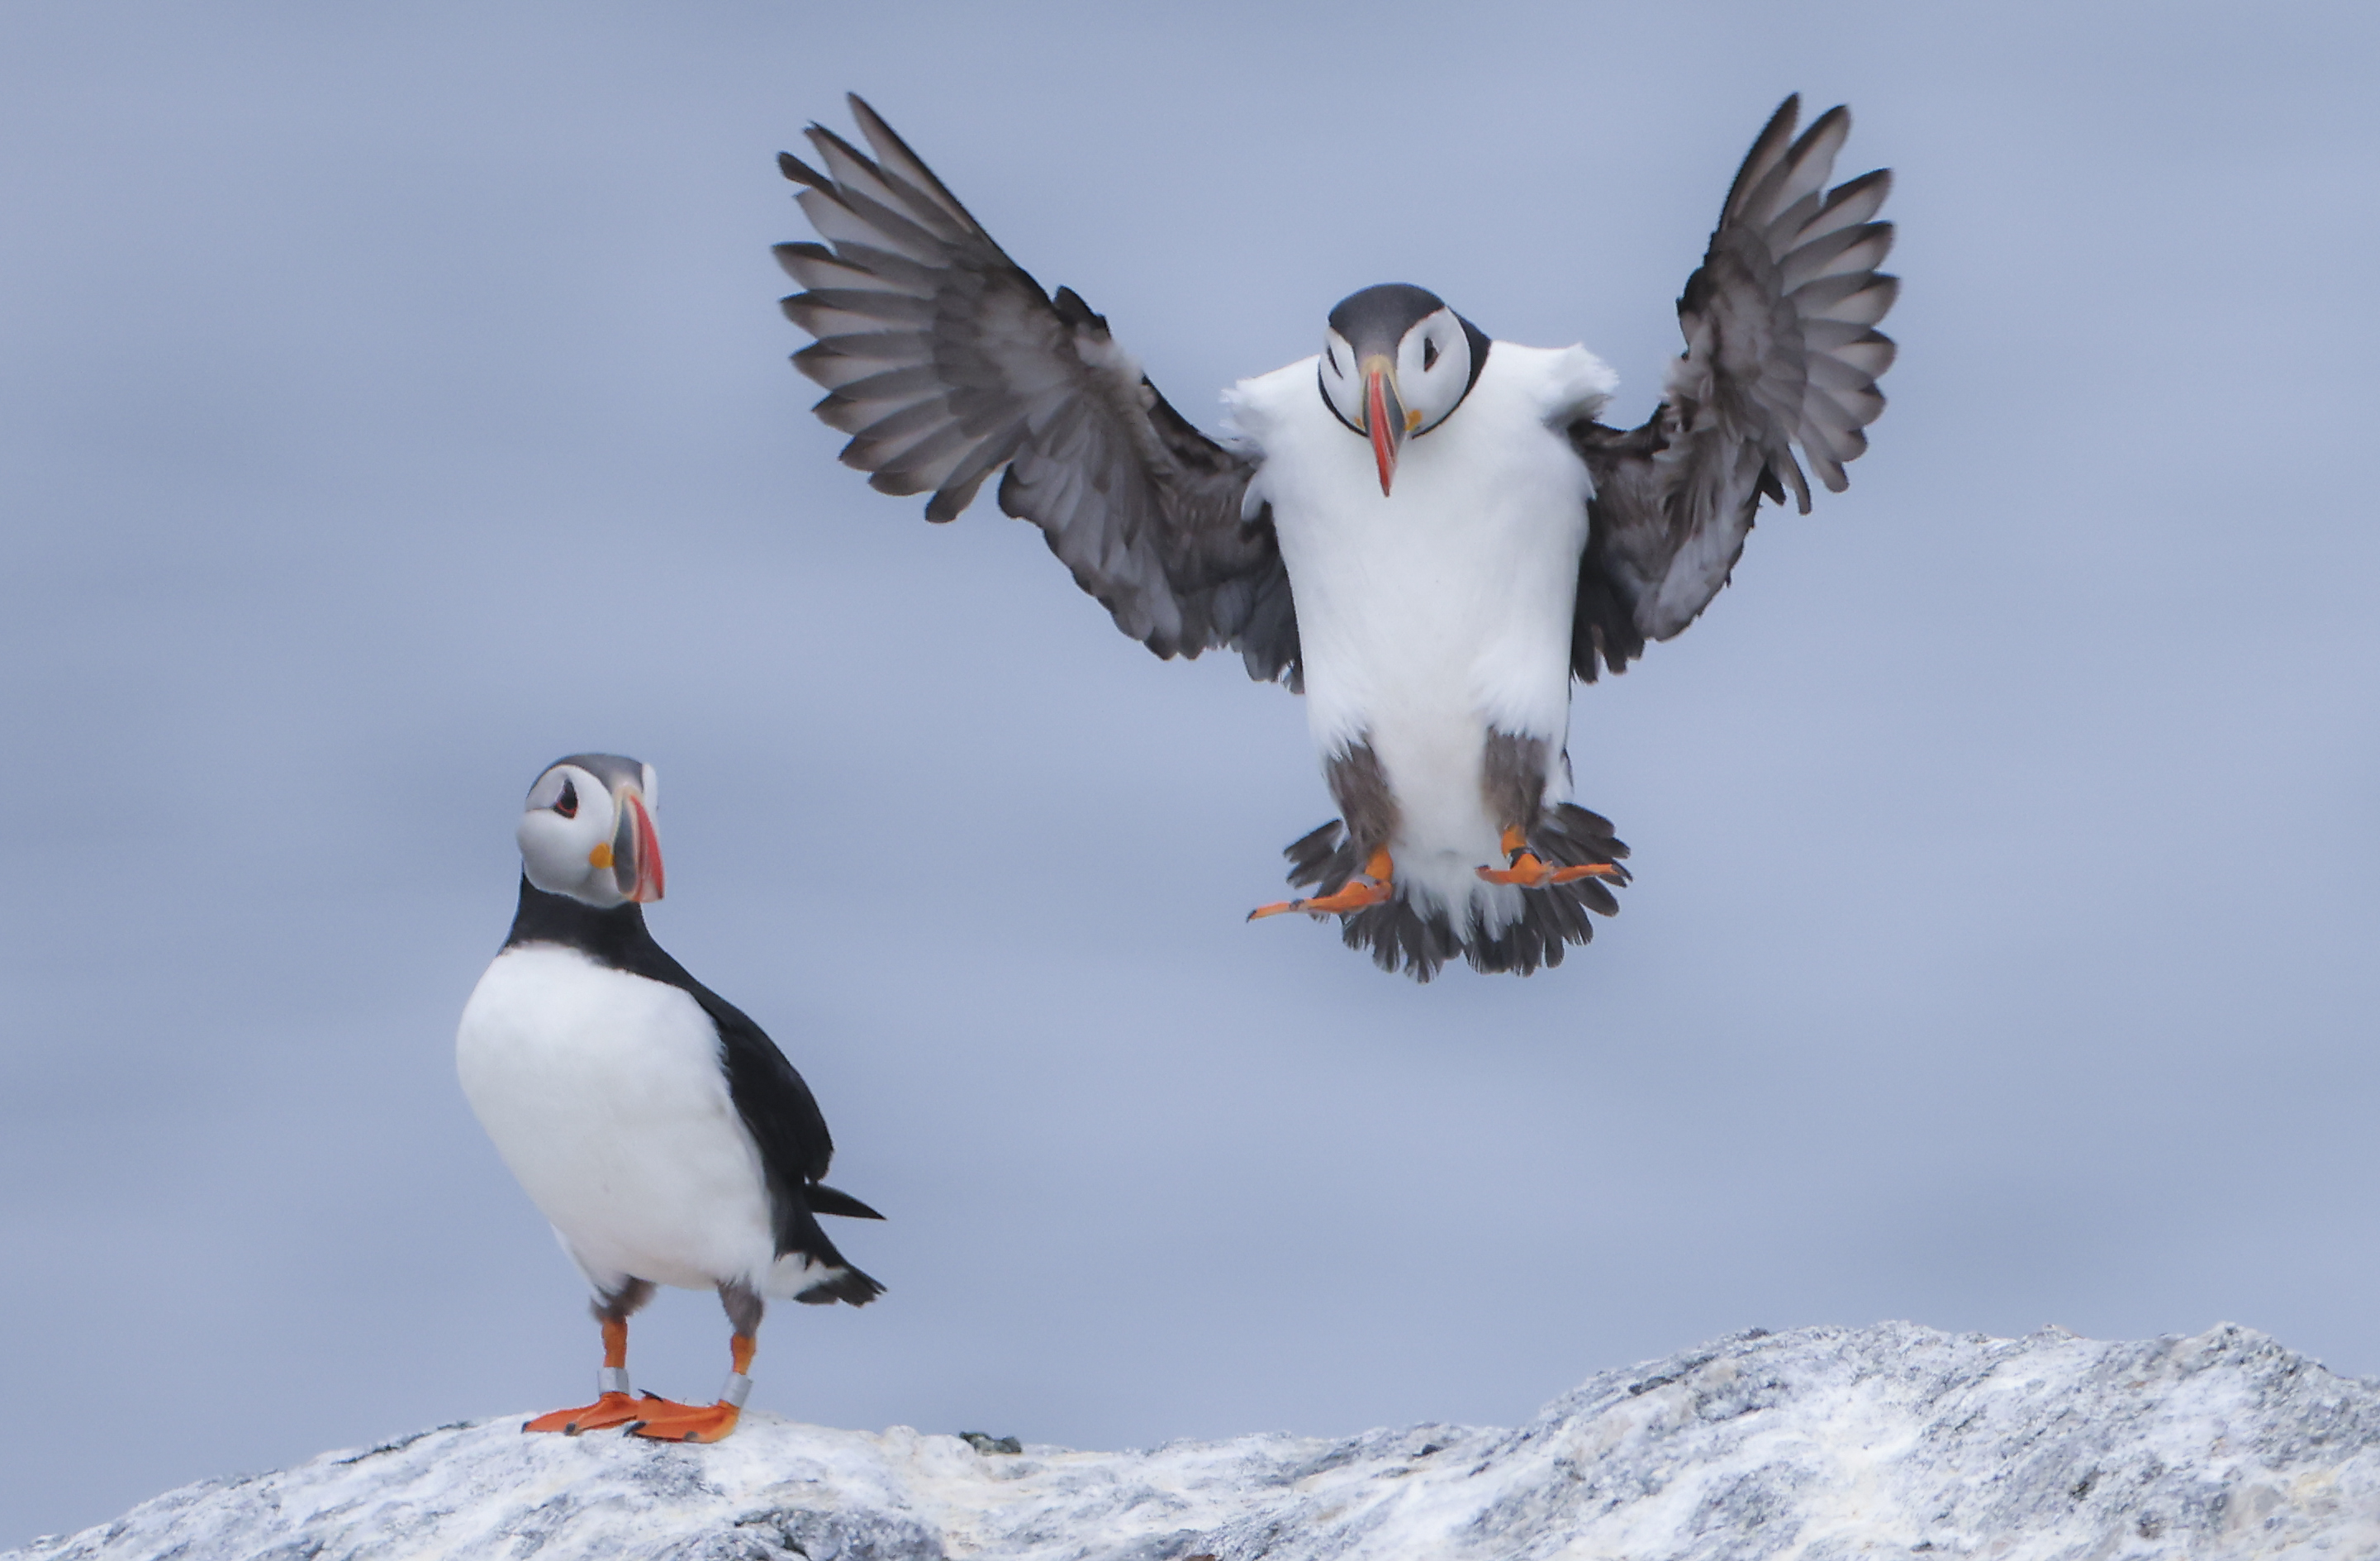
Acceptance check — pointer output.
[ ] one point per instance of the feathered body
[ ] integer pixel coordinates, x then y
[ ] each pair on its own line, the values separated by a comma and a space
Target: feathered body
1434, 614
607, 1096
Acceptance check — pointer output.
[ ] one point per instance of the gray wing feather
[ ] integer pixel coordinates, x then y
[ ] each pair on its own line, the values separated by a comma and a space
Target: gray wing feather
1782, 349
945, 362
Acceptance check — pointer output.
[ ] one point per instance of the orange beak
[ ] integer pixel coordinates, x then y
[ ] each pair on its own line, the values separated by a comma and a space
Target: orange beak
637, 851
1384, 417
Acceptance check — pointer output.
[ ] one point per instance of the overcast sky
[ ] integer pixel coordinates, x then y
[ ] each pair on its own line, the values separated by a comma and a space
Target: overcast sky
392, 397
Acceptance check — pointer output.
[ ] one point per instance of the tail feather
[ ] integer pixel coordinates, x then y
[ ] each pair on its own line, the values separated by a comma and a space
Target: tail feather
1322, 859
1400, 936
798, 1234
848, 1285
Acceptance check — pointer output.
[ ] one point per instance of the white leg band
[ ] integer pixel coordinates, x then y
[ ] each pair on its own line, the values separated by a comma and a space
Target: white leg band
611, 1379
737, 1388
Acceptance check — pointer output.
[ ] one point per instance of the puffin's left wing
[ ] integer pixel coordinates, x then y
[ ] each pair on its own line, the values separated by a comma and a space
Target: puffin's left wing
1782, 349
785, 1123
944, 362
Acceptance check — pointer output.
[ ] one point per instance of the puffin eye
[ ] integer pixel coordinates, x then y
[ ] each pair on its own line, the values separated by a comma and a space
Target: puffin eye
1428, 354
568, 803
1332, 353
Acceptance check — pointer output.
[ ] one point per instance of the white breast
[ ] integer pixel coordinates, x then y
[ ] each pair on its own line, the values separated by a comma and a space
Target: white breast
605, 1095
1429, 616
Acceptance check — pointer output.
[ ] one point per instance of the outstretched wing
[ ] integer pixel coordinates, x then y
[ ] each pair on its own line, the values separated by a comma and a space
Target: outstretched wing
944, 362
1782, 349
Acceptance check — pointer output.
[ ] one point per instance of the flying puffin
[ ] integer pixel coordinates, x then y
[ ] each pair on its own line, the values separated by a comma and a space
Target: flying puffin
1425, 530
658, 1127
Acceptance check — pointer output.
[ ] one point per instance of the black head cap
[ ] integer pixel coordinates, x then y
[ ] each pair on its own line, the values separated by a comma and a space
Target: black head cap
1378, 318
609, 768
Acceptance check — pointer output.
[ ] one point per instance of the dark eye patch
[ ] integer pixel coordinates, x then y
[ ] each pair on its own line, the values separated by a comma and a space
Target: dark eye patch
1428, 354
1332, 353
568, 803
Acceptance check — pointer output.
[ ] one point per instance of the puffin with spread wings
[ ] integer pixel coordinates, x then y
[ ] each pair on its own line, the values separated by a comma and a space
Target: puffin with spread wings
1426, 531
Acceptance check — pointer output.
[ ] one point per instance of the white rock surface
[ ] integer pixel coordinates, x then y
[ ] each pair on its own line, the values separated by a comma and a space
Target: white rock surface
1822, 1443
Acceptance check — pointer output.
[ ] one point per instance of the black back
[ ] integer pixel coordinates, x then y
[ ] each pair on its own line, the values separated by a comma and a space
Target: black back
777, 1107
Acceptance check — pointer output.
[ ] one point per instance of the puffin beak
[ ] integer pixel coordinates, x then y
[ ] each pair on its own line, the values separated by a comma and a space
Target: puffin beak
1384, 416
636, 850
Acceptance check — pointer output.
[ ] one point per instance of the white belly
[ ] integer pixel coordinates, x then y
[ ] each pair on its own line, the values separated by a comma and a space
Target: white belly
604, 1095
1427, 617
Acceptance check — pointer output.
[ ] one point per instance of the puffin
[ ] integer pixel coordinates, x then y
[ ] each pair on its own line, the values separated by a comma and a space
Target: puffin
1427, 531
659, 1129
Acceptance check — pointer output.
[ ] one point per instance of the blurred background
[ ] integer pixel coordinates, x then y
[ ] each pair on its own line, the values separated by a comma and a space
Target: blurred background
393, 398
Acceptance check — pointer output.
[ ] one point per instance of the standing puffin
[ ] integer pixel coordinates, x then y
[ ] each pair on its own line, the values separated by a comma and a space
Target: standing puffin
1425, 530
660, 1131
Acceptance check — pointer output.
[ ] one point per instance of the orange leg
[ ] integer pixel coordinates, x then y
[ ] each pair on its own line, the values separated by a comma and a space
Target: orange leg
1375, 885
712, 1422
614, 1405
1525, 868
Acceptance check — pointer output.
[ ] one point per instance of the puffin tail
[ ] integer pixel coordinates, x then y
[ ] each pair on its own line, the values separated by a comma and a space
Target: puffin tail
1400, 935
824, 1277
844, 1283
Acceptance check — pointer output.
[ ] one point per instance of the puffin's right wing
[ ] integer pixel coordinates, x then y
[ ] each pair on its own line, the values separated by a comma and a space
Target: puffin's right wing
945, 362
1782, 349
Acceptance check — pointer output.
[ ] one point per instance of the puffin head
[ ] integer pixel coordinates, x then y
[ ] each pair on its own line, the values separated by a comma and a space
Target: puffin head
1395, 364
587, 831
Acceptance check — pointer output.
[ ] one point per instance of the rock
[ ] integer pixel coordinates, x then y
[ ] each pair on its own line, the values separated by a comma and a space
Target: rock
1822, 1443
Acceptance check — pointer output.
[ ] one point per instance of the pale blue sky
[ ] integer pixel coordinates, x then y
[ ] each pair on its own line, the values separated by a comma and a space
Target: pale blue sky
393, 398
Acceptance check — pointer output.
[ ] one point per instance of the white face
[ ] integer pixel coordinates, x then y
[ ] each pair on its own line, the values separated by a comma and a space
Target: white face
1431, 371
579, 838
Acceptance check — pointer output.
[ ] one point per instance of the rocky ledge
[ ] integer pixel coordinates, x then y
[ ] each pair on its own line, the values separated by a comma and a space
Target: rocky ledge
1821, 1442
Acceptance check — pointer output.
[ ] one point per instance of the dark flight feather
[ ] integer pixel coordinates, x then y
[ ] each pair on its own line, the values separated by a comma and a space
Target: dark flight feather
946, 363
825, 1200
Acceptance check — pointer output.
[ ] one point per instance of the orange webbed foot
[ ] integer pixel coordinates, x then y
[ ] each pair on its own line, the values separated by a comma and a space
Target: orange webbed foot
1525, 868
611, 1410
687, 1423
1375, 885
1530, 872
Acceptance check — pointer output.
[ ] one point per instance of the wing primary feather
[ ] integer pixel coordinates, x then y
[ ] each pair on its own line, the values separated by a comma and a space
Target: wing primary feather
800, 172
1767, 148
825, 1200
889, 146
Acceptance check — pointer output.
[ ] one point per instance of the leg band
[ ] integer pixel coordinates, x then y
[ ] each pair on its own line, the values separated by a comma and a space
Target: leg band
611, 1379
737, 1388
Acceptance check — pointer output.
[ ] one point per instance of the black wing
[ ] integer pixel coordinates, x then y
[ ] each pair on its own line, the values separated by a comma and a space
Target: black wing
825, 1200
944, 362
1780, 349
785, 1121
